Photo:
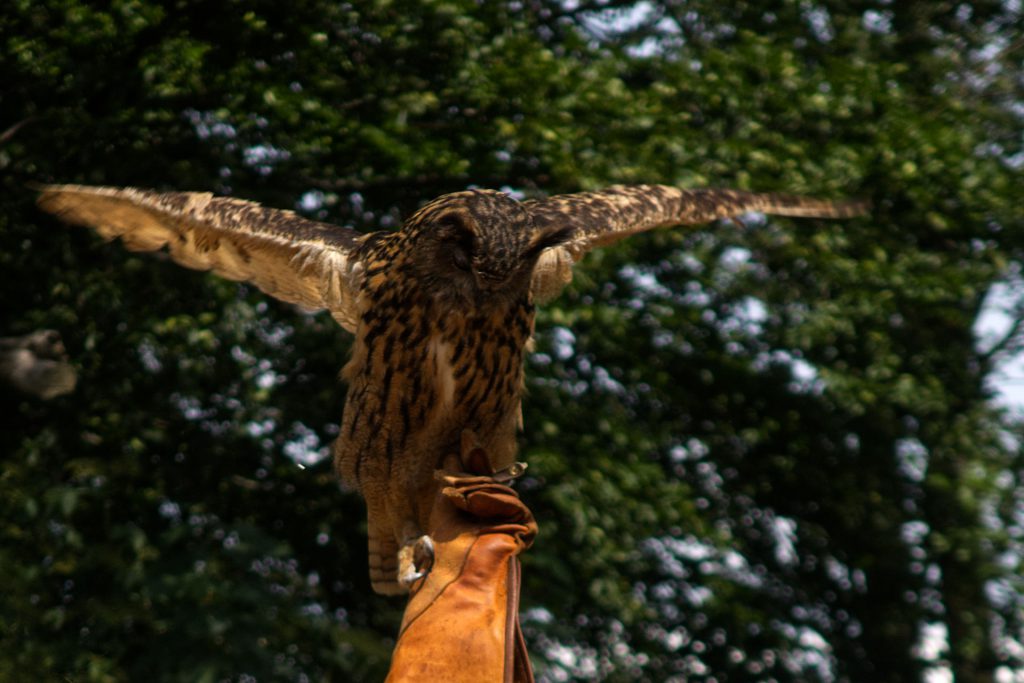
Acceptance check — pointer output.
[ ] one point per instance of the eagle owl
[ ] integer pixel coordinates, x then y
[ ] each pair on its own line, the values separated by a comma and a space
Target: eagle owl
442, 310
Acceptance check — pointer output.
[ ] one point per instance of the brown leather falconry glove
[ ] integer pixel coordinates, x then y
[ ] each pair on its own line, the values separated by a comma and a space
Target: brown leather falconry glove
462, 621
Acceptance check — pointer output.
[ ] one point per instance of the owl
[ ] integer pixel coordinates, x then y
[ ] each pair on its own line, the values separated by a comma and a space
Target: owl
442, 310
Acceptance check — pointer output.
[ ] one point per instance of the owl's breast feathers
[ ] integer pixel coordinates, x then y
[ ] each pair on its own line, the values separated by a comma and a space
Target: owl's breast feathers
422, 371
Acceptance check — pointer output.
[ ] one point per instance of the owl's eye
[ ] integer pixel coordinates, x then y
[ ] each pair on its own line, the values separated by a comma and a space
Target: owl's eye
460, 257
458, 241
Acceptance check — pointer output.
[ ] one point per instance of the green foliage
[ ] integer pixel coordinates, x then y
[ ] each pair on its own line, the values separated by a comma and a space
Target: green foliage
757, 453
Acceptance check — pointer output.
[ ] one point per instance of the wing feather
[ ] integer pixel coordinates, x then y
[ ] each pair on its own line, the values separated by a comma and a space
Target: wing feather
606, 216
303, 262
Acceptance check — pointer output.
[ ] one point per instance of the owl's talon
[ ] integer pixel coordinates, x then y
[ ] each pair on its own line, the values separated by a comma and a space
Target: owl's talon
409, 579
415, 560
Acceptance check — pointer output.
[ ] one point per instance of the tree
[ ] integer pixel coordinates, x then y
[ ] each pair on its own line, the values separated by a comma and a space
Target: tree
761, 450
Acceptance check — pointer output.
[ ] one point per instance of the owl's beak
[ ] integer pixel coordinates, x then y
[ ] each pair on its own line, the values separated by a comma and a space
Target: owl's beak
489, 280
516, 274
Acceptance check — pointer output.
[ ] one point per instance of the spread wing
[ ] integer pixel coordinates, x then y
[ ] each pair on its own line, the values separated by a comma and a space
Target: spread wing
595, 219
303, 262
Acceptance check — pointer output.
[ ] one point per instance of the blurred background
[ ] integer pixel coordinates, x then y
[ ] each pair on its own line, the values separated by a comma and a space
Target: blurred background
764, 450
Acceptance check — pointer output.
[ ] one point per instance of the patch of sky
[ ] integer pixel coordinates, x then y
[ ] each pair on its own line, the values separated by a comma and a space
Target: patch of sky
783, 531
879, 22
677, 556
912, 459
208, 125
304, 446
995, 331
563, 342
148, 355
262, 158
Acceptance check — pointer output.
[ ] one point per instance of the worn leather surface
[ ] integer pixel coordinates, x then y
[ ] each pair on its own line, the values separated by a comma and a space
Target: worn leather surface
462, 620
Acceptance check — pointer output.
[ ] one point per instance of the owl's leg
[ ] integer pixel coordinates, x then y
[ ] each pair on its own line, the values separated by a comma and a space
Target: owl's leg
393, 567
410, 502
384, 562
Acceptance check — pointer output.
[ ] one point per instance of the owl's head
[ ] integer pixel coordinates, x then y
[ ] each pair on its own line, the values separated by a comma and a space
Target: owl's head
477, 245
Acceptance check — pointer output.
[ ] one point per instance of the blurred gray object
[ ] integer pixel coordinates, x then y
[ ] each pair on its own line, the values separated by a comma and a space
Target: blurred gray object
37, 364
